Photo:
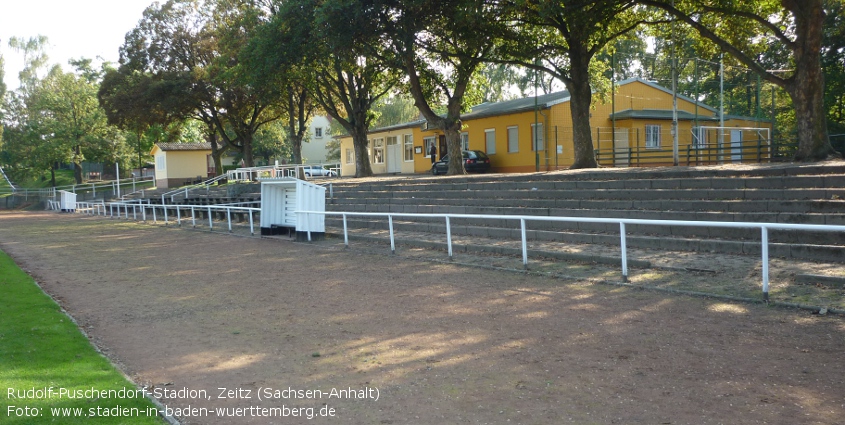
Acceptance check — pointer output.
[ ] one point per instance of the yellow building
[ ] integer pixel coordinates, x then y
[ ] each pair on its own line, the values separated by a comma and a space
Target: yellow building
639, 111
180, 163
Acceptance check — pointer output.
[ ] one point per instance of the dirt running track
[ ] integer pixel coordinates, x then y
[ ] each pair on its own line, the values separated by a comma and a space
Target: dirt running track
441, 344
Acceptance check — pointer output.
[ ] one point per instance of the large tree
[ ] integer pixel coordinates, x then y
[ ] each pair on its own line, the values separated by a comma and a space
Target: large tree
138, 103
441, 46
562, 38
71, 116
328, 47
199, 43
746, 29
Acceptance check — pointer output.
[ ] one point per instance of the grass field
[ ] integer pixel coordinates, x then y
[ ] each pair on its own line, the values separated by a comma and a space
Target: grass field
48, 369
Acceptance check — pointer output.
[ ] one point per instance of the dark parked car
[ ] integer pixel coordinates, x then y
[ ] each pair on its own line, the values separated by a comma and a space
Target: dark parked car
474, 161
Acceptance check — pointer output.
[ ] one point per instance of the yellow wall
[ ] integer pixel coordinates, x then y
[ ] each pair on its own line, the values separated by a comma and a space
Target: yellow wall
521, 159
558, 152
181, 164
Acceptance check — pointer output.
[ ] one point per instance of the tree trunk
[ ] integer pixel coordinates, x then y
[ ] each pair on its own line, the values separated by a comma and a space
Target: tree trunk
216, 152
53, 175
362, 154
246, 141
296, 147
806, 87
77, 165
581, 97
454, 148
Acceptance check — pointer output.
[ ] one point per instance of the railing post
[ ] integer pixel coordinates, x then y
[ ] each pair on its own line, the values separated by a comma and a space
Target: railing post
144, 212
765, 249
345, 233
624, 249
193, 218
251, 227
392, 240
210, 224
155, 220
524, 244
178, 216
229, 218
449, 236
134, 212
306, 223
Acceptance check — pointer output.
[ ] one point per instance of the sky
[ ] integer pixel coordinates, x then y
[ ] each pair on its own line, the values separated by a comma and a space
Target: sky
74, 28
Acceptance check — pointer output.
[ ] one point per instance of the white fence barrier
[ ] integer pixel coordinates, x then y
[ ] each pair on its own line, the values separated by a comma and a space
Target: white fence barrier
178, 211
523, 219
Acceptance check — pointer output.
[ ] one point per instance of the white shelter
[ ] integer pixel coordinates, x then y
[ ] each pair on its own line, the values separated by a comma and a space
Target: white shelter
67, 201
282, 197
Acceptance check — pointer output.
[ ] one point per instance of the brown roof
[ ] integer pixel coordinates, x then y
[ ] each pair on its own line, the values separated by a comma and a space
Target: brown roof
184, 146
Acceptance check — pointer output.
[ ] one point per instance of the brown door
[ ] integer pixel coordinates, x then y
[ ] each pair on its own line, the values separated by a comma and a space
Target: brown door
443, 149
209, 160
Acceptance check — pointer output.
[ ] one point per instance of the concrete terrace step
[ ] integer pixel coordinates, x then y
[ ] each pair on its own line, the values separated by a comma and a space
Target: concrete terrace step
429, 205
457, 184
620, 194
765, 217
781, 194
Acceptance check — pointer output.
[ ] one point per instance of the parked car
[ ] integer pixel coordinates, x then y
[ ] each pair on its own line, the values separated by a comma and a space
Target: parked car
474, 161
318, 170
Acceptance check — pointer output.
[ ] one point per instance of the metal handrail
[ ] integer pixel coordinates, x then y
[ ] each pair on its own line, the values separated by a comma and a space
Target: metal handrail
142, 209
764, 229
187, 188
86, 187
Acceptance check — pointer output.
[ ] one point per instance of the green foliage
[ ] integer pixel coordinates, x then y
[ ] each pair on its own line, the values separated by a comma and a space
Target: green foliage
189, 52
833, 64
40, 347
392, 110
780, 41
270, 142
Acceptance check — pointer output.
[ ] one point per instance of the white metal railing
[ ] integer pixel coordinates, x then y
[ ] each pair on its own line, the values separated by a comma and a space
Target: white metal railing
276, 171
122, 209
112, 185
83, 207
6, 178
186, 189
622, 222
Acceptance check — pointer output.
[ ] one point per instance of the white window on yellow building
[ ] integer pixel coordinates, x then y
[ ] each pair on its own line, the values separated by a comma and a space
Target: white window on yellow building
378, 151
490, 140
652, 136
513, 139
538, 139
428, 142
409, 147
465, 141
350, 156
